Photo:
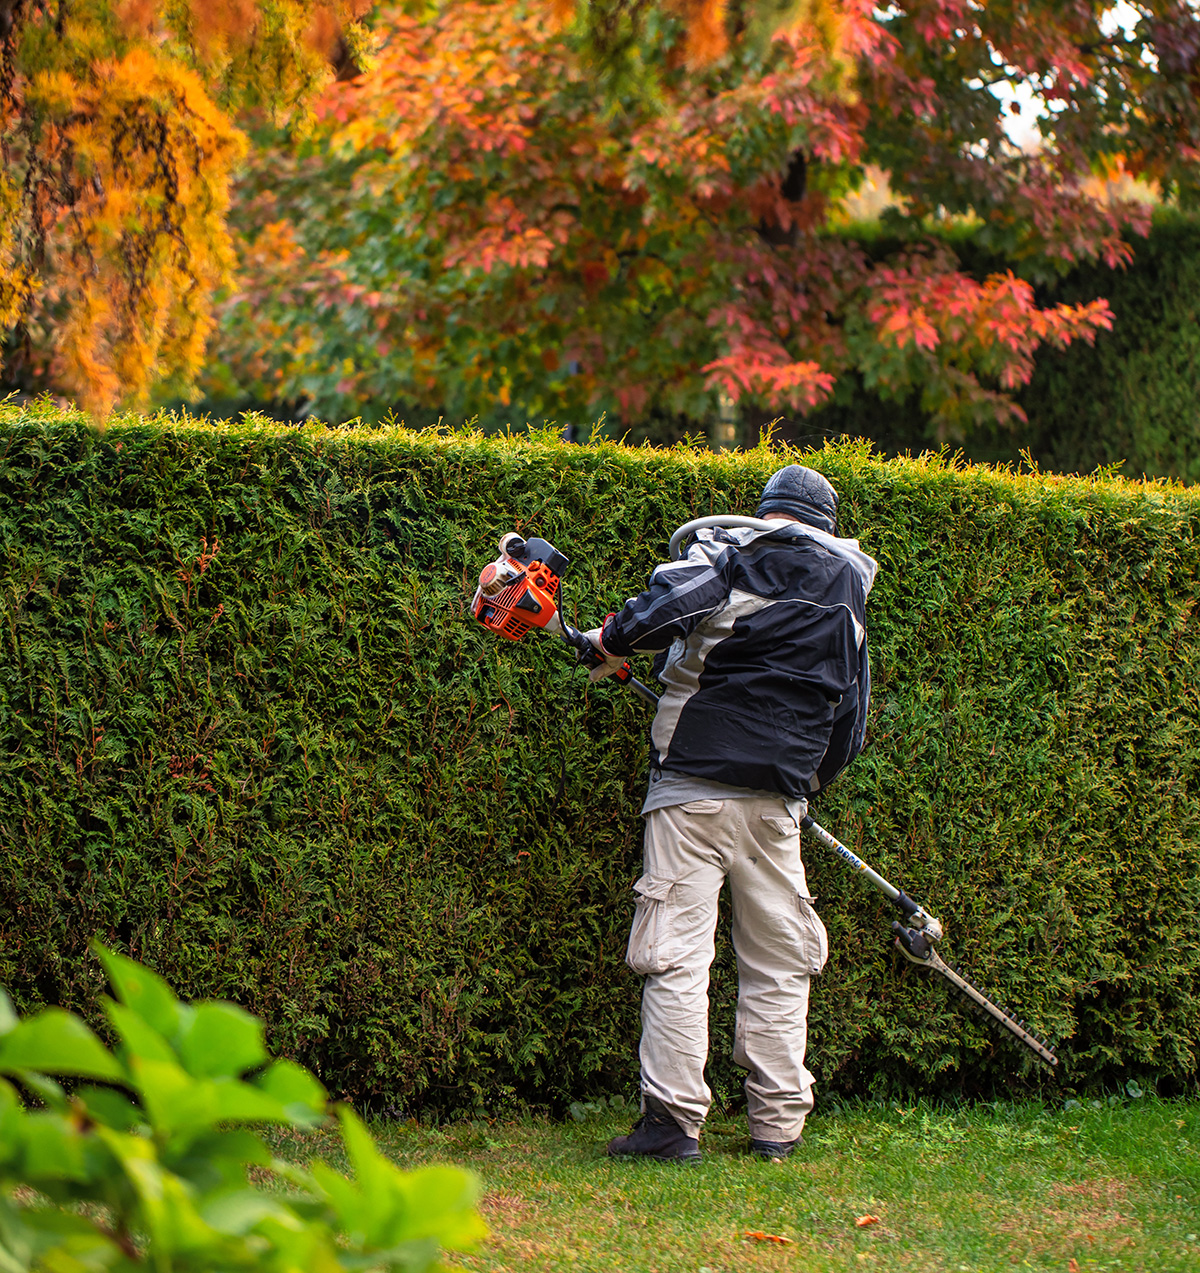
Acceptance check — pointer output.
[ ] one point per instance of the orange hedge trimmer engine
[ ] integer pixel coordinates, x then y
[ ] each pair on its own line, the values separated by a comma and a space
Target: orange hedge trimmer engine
520, 589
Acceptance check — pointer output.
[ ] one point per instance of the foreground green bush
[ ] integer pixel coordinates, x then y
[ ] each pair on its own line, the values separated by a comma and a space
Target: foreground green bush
250, 735
92, 1180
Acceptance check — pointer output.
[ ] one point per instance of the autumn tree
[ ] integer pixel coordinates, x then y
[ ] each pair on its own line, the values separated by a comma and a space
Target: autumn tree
631, 206
558, 208
118, 139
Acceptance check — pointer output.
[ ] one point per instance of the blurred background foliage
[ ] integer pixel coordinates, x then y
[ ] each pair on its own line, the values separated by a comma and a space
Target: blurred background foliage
1130, 400
553, 211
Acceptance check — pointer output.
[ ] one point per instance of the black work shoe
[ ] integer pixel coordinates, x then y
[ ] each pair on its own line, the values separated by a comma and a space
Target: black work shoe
774, 1150
656, 1135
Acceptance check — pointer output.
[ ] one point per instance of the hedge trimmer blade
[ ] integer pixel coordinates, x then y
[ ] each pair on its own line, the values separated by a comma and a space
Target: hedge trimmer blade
972, 992
921, 952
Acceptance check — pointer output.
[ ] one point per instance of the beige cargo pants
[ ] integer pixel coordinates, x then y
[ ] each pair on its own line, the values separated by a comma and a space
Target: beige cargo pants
780, 941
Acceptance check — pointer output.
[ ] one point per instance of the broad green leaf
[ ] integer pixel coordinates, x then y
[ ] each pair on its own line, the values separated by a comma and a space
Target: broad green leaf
375, 1176
222, 1156
415, 1253
167, 1207
171, 1097
49, 1220
221, 1039
113, 1109
309, 1247
142, 991
140, 1039
54, 1149
17, 1237
442, 1201
177, 1102
58, 1043
296, 1089
348, 1203
236, 1101
8, 1014
240, 1211
171, 1216
54, 1240
12, 1114
394, 1206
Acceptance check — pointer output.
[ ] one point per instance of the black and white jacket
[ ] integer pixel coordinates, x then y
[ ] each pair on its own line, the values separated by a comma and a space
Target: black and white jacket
766, 674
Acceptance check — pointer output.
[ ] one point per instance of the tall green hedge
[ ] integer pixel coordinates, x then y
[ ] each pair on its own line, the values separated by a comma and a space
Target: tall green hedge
250, 734
1131, 399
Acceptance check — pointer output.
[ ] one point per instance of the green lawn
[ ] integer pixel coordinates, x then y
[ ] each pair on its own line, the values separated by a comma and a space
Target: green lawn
1092, 1186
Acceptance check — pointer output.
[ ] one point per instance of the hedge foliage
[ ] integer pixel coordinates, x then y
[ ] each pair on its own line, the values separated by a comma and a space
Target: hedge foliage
250, 735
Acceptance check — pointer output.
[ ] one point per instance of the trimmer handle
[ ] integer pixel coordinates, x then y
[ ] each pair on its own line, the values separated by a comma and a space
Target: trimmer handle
588, 656
623, 674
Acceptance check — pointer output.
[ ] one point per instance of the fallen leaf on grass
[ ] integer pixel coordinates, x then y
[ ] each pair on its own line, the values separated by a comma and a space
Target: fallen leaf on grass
759, 1236
1072, 1265
863, 1221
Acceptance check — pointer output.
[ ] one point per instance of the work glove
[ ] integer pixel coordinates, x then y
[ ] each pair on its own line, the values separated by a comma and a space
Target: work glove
611, 664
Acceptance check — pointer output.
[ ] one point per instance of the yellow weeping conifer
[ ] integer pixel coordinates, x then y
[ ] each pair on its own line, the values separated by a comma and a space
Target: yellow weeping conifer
118, 142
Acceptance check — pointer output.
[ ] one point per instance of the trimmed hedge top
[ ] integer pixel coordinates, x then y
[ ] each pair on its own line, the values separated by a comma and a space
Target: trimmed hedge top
250, 734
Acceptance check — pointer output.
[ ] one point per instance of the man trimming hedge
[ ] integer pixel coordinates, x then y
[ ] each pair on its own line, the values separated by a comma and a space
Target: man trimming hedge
762, 649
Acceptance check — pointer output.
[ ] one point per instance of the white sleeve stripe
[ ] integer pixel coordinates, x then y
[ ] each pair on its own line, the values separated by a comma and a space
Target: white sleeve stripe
677, 619
676, 594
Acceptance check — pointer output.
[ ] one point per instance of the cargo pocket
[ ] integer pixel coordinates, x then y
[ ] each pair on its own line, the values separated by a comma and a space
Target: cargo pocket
784, 825
703, 806
650, 937
814, 940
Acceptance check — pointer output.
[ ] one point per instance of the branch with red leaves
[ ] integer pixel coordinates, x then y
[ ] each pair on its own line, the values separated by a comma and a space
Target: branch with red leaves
555, 242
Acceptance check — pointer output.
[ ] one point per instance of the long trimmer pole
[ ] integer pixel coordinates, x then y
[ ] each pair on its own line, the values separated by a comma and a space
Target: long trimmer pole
915, 916
643, 691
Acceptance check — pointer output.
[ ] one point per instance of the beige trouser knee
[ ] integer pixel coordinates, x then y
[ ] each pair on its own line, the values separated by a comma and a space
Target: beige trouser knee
690, 850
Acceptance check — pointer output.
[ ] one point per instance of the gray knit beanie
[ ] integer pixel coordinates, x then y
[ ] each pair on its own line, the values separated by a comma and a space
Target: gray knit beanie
803, 494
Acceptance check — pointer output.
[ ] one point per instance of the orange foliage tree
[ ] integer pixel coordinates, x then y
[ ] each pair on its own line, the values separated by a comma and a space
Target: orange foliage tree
117, 142
551, 211
551, 208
